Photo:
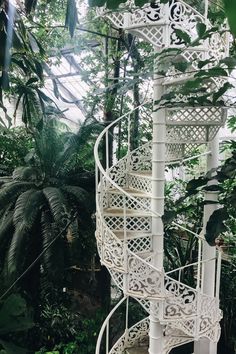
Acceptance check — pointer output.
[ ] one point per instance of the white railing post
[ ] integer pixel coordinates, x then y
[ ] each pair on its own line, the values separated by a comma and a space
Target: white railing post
107, 338
204, 346
199, 263
128, 150
218, 273
127, 321
125, 247
156, 336
107, 149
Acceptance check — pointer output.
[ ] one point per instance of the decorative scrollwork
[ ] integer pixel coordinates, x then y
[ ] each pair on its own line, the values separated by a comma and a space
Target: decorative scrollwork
143, 280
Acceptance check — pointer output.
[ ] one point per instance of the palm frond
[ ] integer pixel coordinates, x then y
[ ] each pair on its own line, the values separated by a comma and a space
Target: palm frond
6, 231
49, 145
27, 208
16, 251
10, 192
6, 224
25, 173
77, 142
57, 205
80, 196
53, 259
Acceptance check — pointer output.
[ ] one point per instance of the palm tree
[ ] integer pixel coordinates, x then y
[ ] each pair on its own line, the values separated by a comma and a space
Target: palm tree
52, 195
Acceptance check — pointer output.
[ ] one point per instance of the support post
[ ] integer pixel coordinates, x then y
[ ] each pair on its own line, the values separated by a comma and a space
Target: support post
205, 346
156, 338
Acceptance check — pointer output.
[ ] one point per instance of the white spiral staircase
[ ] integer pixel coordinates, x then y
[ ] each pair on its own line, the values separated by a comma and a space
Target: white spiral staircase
124, 229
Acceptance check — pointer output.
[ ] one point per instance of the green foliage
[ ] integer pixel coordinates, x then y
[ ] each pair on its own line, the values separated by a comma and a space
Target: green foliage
64, 331
14, 146
14, 317
41, 199
230, 11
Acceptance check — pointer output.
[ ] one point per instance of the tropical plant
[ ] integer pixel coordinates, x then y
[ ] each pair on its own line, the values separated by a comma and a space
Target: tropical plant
45, 205
14, 146
15, 317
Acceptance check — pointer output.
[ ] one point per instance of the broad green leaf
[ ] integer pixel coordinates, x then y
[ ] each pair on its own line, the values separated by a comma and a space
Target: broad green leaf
30, 5
201, 29
194, 184
217, 71
114, 4
202, 63
71, 16
140, 3
14, 316
230, 11
221, 91
180, 63
94, 3
230, 62
215, 225
183, 36
11, 348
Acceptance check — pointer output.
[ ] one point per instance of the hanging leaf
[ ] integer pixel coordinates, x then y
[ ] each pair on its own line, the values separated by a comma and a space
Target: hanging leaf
140, 3
71, 16
180, 63
114, 4
230, 11
230, 62
215, 225
201, 29
221, 91
183, 36
30, 5
202, 63
194, 184
94, 3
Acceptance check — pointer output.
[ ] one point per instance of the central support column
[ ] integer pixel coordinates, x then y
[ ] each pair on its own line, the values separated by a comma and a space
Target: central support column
156, 337
204, 345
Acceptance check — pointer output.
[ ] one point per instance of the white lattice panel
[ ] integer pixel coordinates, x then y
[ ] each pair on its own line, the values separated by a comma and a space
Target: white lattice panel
133, 223
154, 35
119, 201
117, 277
201, 115
198, 134
140, 182
140, 244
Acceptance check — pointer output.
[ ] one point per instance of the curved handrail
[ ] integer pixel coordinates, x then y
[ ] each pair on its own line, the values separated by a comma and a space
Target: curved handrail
105, 323
115, 185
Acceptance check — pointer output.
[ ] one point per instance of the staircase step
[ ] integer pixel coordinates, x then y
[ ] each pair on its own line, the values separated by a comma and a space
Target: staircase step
132, 234
137, 350
129, 212
146, 174
131, 191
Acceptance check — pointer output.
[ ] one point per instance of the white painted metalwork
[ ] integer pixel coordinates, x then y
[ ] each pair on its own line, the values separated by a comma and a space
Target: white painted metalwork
130, 195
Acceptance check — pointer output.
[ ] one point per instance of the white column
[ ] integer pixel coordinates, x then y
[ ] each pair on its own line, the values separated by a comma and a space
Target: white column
156, 338
204, 346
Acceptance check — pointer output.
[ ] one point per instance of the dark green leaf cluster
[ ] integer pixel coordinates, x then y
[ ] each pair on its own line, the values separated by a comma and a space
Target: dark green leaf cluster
51, 196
